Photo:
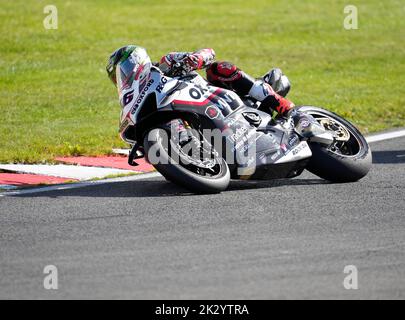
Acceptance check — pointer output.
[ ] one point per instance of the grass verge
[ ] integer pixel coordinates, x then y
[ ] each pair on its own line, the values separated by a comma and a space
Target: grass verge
55, 98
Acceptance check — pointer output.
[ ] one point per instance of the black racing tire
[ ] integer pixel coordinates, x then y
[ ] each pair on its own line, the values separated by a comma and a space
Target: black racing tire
180, 175
334, 167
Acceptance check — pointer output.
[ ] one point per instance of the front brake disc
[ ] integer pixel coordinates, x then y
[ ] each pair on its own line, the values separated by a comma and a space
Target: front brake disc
340, 132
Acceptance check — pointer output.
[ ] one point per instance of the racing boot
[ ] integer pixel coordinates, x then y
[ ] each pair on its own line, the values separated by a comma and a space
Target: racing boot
270, 100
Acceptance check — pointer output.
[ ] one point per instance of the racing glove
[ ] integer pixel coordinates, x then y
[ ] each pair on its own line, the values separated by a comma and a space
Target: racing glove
182, 63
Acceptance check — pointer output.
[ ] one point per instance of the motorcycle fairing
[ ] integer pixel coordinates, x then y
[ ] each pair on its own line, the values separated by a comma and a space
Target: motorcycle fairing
277, 153
274, 145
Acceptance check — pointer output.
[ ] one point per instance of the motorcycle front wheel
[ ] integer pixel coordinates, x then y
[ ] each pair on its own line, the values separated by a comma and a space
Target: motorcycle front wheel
348, 158
197, 175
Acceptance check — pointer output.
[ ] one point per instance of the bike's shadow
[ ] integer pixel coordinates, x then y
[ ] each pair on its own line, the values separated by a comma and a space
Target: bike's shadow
158, 187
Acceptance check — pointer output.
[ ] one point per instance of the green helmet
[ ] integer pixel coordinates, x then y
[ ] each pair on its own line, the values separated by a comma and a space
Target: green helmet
126, 64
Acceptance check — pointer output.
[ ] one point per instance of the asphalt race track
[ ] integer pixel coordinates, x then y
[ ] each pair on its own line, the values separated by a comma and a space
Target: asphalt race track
149, 239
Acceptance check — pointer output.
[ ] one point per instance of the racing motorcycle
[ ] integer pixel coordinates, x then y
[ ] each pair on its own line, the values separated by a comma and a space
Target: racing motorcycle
169, 119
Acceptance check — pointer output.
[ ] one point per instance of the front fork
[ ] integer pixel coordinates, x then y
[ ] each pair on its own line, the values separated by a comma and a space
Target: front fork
309, 128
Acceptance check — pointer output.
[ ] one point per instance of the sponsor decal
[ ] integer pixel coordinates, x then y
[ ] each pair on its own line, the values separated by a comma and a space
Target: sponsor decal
231, 121
304, 123
194, 93
292, 141
212, 112
202, 89
299, 149
124, 124
141, 96
243, 138
161, 84
221, 103
238, 134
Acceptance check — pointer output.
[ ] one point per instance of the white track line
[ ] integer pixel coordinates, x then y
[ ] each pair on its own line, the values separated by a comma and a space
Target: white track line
373, 138
386, 136
65, 171
124, 152
81, 184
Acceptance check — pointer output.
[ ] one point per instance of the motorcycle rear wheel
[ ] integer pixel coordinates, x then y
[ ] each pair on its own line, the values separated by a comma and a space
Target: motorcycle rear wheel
342, 161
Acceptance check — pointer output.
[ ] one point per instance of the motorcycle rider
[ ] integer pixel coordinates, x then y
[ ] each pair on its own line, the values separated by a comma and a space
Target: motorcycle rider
270, 90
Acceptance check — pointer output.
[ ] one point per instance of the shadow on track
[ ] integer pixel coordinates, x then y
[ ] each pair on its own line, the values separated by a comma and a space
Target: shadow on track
394, 156
160, 188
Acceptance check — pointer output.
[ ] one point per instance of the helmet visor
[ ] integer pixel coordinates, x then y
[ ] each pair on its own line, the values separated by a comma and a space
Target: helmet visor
125, 72
131, 70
